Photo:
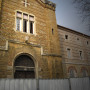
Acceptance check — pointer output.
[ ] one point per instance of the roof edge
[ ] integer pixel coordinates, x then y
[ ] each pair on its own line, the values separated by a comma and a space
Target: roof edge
71, 30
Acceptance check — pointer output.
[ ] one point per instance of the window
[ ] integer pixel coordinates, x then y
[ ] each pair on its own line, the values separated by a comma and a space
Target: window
24, 25
52, 31
18, 21
18, 24
72, 73
24, 22
87, 42
77, 38
66, 36
31, 24
68, 53
84, 73
80, 53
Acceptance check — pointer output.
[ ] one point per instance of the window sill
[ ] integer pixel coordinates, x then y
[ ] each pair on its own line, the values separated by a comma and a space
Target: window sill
25, 33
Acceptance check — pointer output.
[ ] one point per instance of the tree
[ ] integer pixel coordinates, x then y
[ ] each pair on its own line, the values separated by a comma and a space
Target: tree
84, 10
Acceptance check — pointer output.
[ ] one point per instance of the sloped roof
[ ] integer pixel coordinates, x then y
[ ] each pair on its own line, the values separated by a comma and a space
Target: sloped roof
72, 31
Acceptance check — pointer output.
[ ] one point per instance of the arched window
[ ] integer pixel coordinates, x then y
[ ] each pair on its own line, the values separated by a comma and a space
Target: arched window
72, 73
84, 72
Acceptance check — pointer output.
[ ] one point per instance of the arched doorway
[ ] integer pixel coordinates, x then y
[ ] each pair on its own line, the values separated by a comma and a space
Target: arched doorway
24, 67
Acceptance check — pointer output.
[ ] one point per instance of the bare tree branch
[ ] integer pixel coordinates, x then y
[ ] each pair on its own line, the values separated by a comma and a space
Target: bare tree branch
84, 10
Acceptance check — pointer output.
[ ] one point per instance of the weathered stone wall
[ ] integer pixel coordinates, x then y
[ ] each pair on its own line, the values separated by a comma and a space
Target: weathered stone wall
0, 10
45, 48
0, 4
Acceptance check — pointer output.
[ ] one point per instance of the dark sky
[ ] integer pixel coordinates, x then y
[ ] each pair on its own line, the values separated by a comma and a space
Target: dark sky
67, 15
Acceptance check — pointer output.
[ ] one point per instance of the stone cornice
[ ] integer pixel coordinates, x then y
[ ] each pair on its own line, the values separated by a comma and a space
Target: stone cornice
5, 47
24, 43
31, 44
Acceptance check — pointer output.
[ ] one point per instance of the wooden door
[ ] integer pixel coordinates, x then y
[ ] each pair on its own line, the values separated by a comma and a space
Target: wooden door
24, 67
24, 74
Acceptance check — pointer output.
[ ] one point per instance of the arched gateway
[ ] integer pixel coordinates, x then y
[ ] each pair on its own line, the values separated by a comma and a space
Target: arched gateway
24, 67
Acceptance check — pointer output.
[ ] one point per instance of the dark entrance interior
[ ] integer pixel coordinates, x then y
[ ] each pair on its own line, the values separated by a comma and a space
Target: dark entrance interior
24, 67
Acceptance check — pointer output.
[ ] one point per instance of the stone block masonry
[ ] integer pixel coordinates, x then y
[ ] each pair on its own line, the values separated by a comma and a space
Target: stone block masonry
47, 64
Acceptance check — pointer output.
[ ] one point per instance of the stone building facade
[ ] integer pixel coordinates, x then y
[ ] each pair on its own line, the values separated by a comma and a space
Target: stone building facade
28, 36
75, 50
32, 46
